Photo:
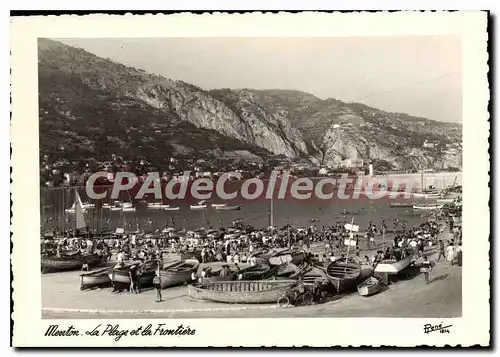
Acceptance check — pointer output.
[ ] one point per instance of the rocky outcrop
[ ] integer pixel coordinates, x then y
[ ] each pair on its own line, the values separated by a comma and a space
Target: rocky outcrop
104, 103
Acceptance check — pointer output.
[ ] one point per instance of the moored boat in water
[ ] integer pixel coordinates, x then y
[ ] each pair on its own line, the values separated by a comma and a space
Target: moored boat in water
427, 207
241, 292
400, 205
227, 208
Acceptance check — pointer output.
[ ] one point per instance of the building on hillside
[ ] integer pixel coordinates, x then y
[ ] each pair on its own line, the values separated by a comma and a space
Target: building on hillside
429, 144
353, 163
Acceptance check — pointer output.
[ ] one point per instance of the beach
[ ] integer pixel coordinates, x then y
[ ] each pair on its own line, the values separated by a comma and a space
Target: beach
441, 298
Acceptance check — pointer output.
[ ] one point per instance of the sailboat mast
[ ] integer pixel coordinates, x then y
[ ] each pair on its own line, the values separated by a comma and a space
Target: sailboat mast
272, 209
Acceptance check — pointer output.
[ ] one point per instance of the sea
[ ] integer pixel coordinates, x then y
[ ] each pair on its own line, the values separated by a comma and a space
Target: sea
257, 213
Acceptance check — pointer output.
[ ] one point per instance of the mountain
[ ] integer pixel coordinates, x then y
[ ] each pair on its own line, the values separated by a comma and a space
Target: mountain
92, 107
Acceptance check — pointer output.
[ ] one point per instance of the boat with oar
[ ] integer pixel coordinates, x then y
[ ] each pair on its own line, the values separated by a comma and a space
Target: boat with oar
71, 262
98, 278
343, 274
227, 208
400, 205
255, 272
369, 287
241, 292
178, 272
401, 259
429, 207
287, 256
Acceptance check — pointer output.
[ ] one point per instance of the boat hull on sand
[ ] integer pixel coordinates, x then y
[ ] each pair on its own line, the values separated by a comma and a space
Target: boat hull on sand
255, 272
392, 266
343, 275
69, 262
241, 292
369, 287
98, 278
178, 273
217, 278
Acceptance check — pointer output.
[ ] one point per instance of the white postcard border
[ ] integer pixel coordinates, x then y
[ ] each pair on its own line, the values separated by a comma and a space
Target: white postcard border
472, 328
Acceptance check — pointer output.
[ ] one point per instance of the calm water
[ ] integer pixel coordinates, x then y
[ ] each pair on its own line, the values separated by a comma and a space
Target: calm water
256, 213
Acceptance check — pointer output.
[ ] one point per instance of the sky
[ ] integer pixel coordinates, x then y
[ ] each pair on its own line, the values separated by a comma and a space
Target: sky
420, 76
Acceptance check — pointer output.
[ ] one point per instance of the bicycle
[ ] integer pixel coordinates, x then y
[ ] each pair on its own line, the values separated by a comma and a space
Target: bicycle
295, 297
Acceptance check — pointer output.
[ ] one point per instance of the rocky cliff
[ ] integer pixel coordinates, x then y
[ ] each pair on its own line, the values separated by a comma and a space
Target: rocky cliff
90, 106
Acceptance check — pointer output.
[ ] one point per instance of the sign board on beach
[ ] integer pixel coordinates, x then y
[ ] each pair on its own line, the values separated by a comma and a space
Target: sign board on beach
351, 242
351, 227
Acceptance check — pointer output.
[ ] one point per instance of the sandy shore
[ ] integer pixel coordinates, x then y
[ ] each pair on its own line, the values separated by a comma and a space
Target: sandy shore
62, 298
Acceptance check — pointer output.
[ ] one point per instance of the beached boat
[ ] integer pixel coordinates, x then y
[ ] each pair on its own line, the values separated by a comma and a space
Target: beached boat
115, 208
227, 208
215, 277
69, 262
129, 209
369, 287
98, 278
393, 266
120, 275
178, 273
427, 207
241, 292
171, 208
314, 274
343, 274
287, 256
282, 272
255, 272
400, 205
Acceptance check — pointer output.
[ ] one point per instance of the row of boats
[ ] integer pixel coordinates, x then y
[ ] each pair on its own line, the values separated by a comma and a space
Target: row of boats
128, 207
264, 282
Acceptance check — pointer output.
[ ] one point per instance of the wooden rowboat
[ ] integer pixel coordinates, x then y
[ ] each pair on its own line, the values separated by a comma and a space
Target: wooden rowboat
241, 292
255, 272
369, 287
178, 273
98, 278
285, 271
120, 276
343, 274
314, 274
69, 262
215, 277
287, 256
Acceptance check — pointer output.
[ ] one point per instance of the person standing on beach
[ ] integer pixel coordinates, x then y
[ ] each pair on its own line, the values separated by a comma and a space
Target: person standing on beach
450, 253
157, 285
441, 250
426, 269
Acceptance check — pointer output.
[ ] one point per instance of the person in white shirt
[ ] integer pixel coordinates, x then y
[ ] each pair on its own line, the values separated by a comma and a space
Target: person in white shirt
120, 257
